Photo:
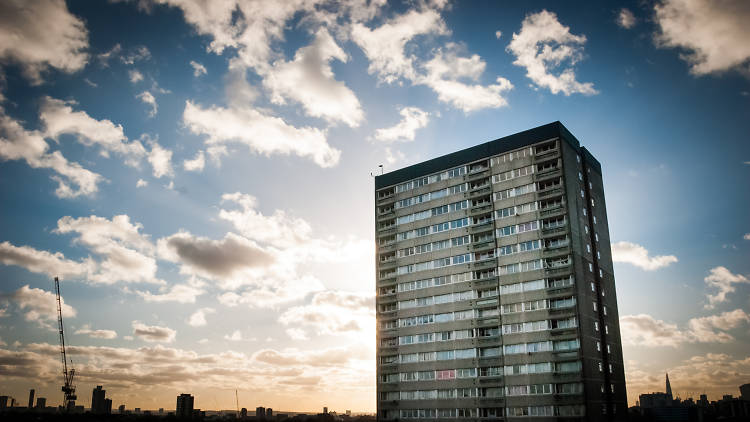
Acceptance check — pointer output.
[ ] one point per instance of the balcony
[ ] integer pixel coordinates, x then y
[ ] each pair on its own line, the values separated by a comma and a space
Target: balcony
478, 173
481, 208
552, 210
550, 231
484, 226
548, 174
548, 192
547, 154
485, 263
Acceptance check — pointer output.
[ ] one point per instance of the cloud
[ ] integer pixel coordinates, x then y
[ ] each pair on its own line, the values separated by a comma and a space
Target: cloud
645, 330
196, 164
198, 69
42, 262
161, 161
39, 306
444, 72
104, 334
42, 34
147, 98
498, 34
60, 119
136, 54
135, 76
626, 19
637, 255
385, 46
127, 255
412, 119
722, 279
746, 236
260, 132
236, 336
153, 333
332, 313
16, 143
179, 293
278, 229
198, 318
714, 38
141, 183
544, 44
209, 258
309, 80
272, 293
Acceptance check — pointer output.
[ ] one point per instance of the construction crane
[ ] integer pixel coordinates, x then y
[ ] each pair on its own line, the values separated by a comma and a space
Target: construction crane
237, 402
68, 389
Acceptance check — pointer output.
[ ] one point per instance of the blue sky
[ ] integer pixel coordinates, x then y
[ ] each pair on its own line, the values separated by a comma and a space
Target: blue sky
199, 177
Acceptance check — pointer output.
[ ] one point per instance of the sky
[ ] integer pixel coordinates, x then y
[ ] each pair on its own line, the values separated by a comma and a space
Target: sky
198, 174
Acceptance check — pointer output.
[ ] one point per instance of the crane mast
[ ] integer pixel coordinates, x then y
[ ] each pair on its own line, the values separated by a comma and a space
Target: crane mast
68, 388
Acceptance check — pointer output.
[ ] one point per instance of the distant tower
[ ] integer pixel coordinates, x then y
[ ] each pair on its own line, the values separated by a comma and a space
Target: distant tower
669, 387
185, 403
98, 404
31, 398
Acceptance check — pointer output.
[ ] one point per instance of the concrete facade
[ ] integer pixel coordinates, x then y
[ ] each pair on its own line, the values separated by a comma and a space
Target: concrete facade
495, 285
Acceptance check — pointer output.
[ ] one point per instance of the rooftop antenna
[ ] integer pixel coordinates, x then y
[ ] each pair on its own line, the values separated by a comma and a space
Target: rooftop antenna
68, 389
381, 170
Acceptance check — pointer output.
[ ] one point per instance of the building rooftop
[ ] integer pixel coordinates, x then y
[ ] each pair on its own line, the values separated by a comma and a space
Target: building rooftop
498, 146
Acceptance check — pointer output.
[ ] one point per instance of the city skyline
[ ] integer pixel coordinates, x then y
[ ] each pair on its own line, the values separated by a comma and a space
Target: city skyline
202, 185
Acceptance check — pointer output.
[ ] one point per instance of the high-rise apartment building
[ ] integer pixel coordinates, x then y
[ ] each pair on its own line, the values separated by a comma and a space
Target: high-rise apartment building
495, 285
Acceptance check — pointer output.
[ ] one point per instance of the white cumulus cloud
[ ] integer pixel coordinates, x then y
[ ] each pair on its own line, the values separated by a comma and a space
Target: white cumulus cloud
42, 34
153, 333
309, 80
626, 19
412, 119
104, 334
148, 98
198, 318
714, 36
262, 133
544, 44
38, 305
723, 280
637, 255
196, 164
198, 69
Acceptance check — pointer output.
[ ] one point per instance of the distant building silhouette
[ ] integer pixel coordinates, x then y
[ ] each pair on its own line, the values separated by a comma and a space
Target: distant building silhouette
41, 403
100, 405
243, 412
745, 392
31, 399
121, 409
260, 412
3, 402
269, 413
325, 410
185, 404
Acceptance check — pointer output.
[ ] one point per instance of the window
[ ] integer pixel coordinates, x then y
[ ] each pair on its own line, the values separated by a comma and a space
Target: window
586, 229
609, 350
610, 368
601, 369
595, 306
591, 267
596, 326
598, 346
582, 194
585, 212
606, 329
580, 176
594, 217
593, 288
588, 248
